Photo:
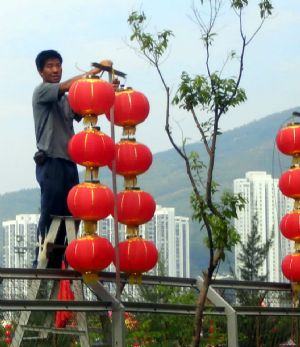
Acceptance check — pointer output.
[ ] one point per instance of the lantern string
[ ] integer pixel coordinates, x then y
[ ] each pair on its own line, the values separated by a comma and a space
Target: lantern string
114, 184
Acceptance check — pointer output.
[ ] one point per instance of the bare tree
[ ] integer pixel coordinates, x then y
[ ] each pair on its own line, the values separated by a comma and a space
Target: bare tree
214, 95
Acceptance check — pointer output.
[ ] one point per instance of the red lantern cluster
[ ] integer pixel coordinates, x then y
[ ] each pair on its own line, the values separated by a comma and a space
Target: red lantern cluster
288, 142
134, 206
8, 334
91, 201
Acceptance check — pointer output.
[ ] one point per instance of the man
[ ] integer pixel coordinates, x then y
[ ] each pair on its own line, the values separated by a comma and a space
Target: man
53, 119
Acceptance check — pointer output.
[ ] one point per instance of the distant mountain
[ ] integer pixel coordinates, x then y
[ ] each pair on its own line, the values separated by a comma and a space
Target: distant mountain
247, 148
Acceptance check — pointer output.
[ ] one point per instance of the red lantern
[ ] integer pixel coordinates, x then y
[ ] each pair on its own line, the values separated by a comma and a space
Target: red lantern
91, 148
7, 333
131, 108
7, 326
91, 96
289, 183
291, 267
137, 255
90, 254
288, 139
290, 225
135, 207
132, 158
8, 340
90, 201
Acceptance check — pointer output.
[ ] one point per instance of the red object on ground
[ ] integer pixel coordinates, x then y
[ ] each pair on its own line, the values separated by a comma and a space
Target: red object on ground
8, 340
91, 148
90, 201
91, 96
65, 293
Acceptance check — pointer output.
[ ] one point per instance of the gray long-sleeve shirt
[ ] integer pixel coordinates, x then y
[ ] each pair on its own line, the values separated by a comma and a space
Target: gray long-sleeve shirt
52, 109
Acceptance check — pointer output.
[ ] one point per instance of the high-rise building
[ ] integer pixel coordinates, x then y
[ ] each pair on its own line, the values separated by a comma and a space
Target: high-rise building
18, 249
265, 201
170, 233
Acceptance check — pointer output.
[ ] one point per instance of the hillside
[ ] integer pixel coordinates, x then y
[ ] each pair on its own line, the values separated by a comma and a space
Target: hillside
247, 148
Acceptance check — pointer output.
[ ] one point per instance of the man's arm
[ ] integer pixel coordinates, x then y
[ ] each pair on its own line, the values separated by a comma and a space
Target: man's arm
65, 86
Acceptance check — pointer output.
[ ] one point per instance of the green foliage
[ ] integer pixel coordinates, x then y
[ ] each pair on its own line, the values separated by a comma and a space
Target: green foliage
265, 6
163, 329
153, 46
211, 93
224, 235
253, 254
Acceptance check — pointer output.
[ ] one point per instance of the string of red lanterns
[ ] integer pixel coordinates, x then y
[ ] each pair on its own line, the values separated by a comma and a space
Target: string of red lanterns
288, 142
134, 206
91, 201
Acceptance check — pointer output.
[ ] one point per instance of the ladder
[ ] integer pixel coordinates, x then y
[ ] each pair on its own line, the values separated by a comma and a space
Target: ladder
35, 290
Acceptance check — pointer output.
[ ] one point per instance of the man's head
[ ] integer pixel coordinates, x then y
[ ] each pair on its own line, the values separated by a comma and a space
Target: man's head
49, 66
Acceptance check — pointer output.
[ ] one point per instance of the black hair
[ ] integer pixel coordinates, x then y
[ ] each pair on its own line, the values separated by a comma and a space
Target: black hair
41, 58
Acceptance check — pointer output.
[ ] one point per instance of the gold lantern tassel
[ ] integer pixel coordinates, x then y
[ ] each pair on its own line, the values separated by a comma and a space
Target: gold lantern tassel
130, 181
90, 120
132, 231
297, 204
90, 277
129, 130
91, 174
296, 160
135, 278
89, 227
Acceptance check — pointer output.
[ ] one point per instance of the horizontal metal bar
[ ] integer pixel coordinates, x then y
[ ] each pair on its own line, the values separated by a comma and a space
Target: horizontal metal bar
92, 306
64, 331
144, 307
105, 276
256, 285
53, 305
267, 311
32, 274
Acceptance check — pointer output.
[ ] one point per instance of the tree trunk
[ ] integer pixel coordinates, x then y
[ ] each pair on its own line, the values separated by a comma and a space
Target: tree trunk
199, 311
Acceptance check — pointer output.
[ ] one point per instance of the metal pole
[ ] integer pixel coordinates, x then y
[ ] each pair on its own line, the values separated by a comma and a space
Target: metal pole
118, 330
217, 300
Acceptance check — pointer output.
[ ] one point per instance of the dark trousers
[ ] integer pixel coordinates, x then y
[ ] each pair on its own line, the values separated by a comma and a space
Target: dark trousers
55, 177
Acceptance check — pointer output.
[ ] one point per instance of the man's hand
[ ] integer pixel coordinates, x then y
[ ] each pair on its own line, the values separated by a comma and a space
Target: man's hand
106, 62
115, 83
97, 70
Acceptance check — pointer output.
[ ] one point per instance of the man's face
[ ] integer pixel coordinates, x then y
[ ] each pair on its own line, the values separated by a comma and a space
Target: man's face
51, 71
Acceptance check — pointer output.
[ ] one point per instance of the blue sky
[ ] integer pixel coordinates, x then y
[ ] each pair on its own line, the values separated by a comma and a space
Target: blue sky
86, 31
